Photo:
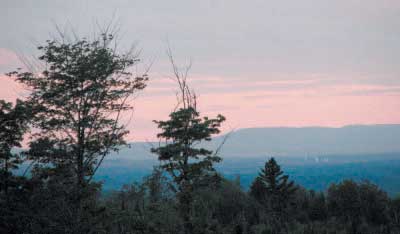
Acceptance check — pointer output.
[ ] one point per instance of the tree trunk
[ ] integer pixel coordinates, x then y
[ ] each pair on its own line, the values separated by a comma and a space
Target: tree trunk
185, 200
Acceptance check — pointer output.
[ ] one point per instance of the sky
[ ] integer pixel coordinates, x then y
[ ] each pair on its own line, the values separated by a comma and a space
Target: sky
259, 63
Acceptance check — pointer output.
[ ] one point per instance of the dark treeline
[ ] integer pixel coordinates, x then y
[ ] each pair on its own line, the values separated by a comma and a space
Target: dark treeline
73, 118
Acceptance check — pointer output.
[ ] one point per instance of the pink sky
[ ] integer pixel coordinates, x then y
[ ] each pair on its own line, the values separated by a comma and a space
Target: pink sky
319, 105
306, 101
259, 63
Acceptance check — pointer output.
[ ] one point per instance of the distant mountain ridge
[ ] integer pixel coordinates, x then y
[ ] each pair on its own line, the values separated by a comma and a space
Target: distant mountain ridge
293, 141
286, 141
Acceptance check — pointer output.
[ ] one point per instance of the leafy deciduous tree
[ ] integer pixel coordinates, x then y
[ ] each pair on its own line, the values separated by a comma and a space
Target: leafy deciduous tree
78, 98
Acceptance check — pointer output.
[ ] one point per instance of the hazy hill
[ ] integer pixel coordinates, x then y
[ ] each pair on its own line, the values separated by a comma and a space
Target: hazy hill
370, 139
303, 142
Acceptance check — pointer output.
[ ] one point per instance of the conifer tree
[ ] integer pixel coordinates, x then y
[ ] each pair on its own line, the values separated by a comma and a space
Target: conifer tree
273, 189
276, 183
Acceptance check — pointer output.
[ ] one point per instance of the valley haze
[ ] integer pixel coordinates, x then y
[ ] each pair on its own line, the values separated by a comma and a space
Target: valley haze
313, 157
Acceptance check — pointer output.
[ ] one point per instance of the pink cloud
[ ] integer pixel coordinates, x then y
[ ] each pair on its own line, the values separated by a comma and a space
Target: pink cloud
274, 103
324, 106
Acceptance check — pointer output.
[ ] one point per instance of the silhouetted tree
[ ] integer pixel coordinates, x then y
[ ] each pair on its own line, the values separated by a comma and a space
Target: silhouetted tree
344, 203
275, 191
374, 203
273, 183
181, 157
13, 125
317, 207
78, 99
